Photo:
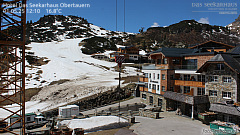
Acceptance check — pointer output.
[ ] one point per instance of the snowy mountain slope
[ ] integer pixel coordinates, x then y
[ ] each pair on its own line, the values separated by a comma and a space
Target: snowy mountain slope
54, 44
87, 76
66, 62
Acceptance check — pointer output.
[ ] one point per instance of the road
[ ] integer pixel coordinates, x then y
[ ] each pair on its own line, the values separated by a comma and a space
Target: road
169, 124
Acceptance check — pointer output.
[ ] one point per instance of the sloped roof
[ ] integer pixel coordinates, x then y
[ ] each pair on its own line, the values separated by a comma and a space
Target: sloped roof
126, 47
235, 50
179, 97
224, 109
211, 42
199, 53
173, 52
231, 60
218, 58
186, 98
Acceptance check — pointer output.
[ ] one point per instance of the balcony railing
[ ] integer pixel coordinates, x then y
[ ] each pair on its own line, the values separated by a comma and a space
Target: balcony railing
190, 83
150, 66
143, 89
153, 91
190, 67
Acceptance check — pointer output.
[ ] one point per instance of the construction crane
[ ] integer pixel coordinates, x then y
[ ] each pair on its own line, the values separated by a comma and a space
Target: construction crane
12, 62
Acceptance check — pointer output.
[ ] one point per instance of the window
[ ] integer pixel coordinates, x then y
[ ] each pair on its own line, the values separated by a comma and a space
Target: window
28, 119
165, 61
220, 67
212, 93
150, 75
159, 102
201, 78
213, 78
186, 77
159, 61
150, 99
172, 89
190, 64
227, 79
163, 77
158, 76
176, 61
146, 75
153, 75
163, 88
186, 89
154, 86
200, 91
193, 78
150, 86
226, 94
146, 85
144, 96
157, 87
227, 118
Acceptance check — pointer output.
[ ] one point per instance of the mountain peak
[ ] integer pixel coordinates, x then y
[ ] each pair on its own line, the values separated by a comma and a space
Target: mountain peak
238, 19
183, 34
58, 27
235, 26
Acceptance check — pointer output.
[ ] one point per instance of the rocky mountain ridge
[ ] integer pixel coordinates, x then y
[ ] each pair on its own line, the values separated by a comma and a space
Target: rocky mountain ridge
58, 27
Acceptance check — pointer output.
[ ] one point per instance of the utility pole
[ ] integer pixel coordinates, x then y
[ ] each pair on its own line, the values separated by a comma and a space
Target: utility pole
119, 59
119, 93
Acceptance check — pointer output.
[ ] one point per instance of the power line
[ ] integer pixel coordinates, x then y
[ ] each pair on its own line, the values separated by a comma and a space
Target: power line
116, 16
124, 16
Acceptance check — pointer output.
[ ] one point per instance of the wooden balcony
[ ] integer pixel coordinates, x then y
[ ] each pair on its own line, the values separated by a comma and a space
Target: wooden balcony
190, 83
143, 88
143, 79
153, 91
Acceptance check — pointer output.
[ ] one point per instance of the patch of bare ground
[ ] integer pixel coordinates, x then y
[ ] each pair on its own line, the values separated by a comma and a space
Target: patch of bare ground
59, 81
29, 93
96, 65
35, 60
138, 69
28, 48
135, 65
129, 79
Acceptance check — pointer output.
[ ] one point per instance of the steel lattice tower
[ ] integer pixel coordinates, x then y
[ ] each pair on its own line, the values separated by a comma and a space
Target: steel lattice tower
12, 61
